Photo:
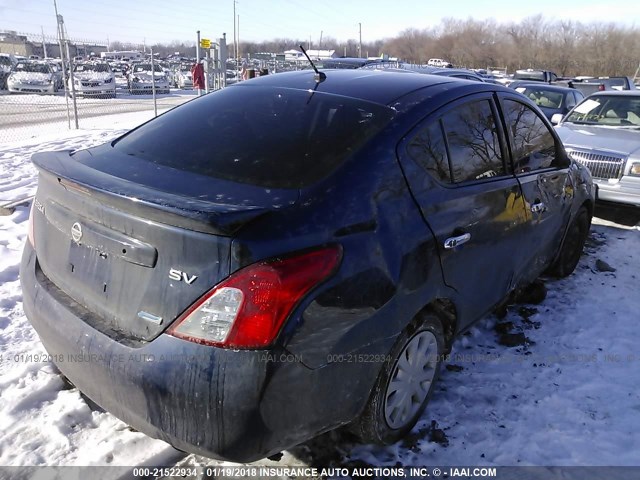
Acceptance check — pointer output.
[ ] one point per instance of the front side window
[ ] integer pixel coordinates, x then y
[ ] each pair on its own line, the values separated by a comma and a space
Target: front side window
533, 146
473, 141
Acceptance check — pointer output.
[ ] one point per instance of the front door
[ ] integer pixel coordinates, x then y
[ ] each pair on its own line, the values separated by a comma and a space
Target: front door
543, 173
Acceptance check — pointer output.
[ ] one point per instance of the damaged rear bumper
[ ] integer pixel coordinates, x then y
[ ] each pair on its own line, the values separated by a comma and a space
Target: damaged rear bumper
237, 405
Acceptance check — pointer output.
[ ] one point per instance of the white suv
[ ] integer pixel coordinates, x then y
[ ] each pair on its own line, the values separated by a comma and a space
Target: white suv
438, 62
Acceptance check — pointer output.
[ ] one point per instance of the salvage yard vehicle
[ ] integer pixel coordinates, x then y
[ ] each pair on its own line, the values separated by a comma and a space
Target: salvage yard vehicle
603, 134
394, 66
182, 77
294, 253
6, 64
438, 62
141, 79
612, 83
551, 99
34, 77
535, 75
93, 79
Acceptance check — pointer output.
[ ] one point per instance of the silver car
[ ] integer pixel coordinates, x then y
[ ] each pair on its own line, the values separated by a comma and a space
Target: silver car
33, 77
183, 78
141, 79
95, 79
603, 133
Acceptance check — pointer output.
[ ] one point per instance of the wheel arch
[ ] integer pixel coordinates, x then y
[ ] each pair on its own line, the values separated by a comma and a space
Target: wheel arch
444, 309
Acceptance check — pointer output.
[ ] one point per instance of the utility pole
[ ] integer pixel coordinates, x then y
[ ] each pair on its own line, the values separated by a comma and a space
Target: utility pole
360, 44
320, 46
60, 32
153, 85
239, 52
73, 88
235, 38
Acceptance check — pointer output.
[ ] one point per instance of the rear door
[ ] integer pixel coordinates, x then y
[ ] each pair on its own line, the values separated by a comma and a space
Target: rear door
543, 173
456, 168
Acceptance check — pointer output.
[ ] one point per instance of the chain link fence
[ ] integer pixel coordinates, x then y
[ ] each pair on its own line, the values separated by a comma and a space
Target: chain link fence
39, 94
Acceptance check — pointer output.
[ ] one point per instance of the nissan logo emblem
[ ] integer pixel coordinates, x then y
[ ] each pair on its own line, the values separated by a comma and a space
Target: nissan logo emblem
76, 232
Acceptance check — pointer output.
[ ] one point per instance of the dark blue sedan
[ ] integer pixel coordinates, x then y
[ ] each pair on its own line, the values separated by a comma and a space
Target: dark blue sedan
294, 253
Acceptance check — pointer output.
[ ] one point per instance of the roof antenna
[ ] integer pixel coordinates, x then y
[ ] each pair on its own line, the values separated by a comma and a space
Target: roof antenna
320, 76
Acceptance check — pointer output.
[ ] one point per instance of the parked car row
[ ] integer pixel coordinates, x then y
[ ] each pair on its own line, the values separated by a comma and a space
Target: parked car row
90, 79
295, 253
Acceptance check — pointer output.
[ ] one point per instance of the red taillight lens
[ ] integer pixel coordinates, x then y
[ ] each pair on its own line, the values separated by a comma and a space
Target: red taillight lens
248, 309
30, 236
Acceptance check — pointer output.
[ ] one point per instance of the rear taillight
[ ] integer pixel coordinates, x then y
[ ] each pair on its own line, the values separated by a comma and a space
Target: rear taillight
248, 309
30, 236
601, 87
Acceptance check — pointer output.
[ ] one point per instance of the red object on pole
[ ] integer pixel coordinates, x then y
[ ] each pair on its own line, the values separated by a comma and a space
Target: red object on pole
197, 74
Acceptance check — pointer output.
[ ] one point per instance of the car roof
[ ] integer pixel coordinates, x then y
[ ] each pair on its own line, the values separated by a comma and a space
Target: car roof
377, 86
546, 86
616, 93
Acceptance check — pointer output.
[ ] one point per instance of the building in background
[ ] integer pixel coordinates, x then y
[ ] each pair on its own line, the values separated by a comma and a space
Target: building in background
26, 44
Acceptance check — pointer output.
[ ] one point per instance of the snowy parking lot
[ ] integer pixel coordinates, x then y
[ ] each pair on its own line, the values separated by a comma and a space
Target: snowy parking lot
553, 381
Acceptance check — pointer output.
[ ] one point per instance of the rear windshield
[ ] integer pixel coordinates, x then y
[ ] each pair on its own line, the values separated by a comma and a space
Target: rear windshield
535, 76
265, 136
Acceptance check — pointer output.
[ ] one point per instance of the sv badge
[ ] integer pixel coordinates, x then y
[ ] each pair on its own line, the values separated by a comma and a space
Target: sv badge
180, 276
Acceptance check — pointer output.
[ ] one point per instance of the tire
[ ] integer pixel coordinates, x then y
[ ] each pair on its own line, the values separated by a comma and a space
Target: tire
572, 245
389, 414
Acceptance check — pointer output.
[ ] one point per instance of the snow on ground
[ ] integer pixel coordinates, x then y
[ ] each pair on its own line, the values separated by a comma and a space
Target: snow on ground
565, 392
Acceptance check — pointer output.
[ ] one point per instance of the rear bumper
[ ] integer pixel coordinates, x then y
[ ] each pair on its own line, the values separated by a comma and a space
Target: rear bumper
627, 190
232, 405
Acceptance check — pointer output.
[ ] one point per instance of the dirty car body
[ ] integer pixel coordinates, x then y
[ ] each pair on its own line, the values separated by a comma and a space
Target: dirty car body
235, 281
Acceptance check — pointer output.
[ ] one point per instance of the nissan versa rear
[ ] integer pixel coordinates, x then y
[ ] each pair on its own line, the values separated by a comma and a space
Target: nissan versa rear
294, 253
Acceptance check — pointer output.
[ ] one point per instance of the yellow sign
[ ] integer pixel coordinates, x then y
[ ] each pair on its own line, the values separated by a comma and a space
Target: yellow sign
205, 43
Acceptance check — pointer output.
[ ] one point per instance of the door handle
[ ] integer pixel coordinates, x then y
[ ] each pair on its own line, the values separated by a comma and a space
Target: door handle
538, 207
453, 242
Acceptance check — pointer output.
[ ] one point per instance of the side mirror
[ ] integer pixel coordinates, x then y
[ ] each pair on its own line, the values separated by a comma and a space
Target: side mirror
556, 118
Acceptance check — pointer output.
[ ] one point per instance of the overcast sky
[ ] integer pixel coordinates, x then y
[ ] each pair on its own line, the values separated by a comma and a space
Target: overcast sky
166, 20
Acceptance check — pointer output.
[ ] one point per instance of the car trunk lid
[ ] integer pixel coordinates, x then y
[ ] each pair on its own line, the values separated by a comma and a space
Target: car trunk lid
134, 244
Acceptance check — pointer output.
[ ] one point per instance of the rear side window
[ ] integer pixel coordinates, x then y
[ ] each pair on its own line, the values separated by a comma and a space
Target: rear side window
264, 136
473, 141
533, 145
428, 150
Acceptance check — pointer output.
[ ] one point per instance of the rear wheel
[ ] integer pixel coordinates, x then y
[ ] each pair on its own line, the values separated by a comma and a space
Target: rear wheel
404, 385
571, 249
